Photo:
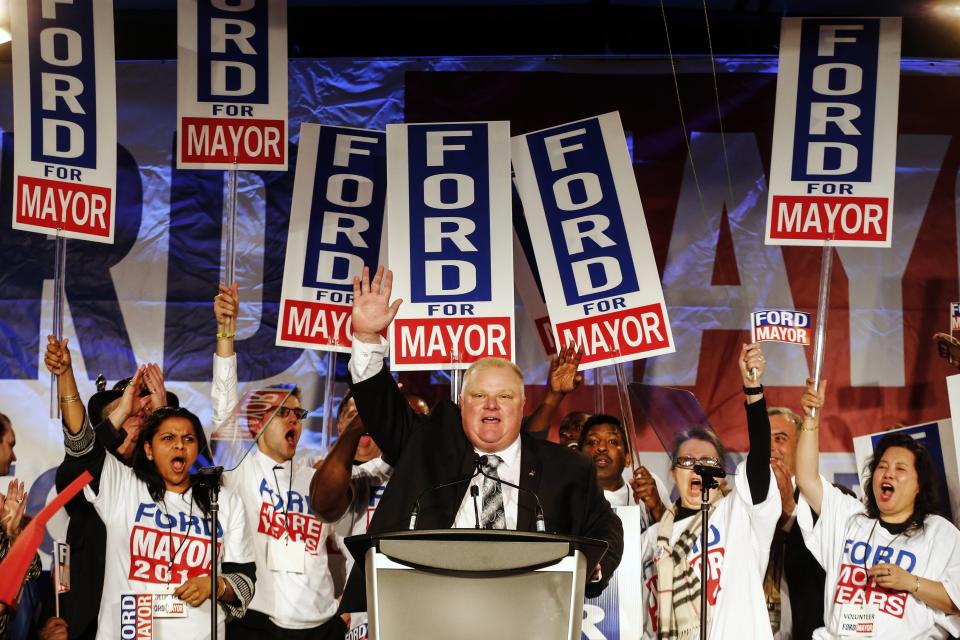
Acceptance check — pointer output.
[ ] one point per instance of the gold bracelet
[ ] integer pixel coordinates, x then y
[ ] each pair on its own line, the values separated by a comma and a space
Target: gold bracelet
224, 334
816, 428
67, 399
917, 589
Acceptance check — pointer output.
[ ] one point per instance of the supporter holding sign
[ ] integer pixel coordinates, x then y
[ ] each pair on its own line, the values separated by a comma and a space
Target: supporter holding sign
157, 573
448, 197
742, 524
893, 565
295, 590
590, 237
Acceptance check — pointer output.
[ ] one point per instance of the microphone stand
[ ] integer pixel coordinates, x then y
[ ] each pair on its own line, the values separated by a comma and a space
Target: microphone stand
709, 476
209, 478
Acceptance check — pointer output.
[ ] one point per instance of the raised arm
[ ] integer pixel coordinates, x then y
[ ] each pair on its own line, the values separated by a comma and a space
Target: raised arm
372, 310
330, 488
808, 446
562, 379
225, 308
758, 423
224, 394
58, 362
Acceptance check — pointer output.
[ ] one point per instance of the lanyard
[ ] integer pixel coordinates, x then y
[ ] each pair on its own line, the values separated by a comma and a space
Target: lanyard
174, 554
870, 538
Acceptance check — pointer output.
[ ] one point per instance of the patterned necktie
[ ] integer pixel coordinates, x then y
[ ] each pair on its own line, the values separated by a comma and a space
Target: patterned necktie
492, 516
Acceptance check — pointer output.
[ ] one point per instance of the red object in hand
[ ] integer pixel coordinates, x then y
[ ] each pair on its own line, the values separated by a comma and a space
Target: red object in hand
14, 566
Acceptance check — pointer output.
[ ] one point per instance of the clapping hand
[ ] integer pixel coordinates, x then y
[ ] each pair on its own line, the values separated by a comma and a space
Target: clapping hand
13, 506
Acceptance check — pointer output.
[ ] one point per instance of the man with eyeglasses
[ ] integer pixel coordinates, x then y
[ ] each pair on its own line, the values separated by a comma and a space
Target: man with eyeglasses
295, 590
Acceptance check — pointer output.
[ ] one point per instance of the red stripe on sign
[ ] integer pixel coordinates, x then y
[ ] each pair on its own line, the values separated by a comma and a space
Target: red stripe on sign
70, 206
225, 139
625, 333
314, 322
429, 341
822, 217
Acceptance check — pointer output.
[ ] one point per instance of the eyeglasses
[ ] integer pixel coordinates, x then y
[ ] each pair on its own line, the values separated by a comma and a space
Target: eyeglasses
689, 462
283, 412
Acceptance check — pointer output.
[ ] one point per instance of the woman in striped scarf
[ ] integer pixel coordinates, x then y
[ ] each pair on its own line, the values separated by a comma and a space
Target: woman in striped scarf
742, 522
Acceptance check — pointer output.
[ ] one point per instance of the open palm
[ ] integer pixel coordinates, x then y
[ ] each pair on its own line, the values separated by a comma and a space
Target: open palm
372, 310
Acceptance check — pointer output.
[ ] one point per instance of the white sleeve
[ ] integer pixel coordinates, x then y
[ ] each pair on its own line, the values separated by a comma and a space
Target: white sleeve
237, 546
763, 516
115, 478
223, 391
824, 538
366, 359
948, 544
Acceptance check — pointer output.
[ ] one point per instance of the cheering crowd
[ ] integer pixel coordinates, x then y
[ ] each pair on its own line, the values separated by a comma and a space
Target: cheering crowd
789, 555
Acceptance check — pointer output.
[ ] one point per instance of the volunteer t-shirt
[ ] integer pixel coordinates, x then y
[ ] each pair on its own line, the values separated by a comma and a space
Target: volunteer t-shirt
367, 483
155, 547
846, 543
738, 549
278, 512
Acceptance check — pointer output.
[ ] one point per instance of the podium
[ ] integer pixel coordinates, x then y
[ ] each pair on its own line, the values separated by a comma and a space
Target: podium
475, 584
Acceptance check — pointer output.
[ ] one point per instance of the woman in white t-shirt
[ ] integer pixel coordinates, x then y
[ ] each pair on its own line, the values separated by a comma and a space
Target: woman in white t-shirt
741, 527
893, 566
157, 574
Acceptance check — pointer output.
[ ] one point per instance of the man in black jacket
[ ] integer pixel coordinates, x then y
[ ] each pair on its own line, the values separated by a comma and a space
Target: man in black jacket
429, 450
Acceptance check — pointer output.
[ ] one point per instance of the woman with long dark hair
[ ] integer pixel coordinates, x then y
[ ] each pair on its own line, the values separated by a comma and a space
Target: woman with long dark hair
157, 573
742, 523
892, 564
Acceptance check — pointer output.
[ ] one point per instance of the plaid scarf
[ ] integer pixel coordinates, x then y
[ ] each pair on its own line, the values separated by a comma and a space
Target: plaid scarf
678, 587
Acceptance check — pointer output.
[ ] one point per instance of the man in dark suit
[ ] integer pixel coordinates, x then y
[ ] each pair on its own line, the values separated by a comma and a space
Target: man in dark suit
429, 450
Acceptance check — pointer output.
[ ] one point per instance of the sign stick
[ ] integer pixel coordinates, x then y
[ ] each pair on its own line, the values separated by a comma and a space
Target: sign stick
820, 337
598, 390
626, 411
328, 398
59, 273
231, 224
456, 377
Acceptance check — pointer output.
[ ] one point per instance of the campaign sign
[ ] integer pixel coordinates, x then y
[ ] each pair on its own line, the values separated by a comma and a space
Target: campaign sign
61, 567
336, 227
775, 325
938, 439
954, 316
232, 84
835, 132
590, 238
616, 614
65, 118
448, 202
136, 616
527, 279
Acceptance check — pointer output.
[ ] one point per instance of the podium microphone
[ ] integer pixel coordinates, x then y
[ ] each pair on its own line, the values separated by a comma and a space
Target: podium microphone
415, 512
474, 492
539, 520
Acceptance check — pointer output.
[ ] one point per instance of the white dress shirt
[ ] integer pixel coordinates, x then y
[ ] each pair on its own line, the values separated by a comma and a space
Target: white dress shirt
508, 470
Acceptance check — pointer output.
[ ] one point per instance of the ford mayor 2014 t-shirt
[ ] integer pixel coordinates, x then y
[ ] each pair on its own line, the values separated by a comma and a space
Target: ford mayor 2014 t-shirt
152, 548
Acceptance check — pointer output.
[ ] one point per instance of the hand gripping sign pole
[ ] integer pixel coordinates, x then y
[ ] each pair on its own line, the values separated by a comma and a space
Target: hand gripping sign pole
820, 337
59, 273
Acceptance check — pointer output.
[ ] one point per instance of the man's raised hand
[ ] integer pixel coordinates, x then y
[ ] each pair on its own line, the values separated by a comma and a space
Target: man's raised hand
564, 376
372, 310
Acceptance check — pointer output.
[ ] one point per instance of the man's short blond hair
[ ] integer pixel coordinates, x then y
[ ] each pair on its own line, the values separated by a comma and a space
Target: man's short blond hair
492, 363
